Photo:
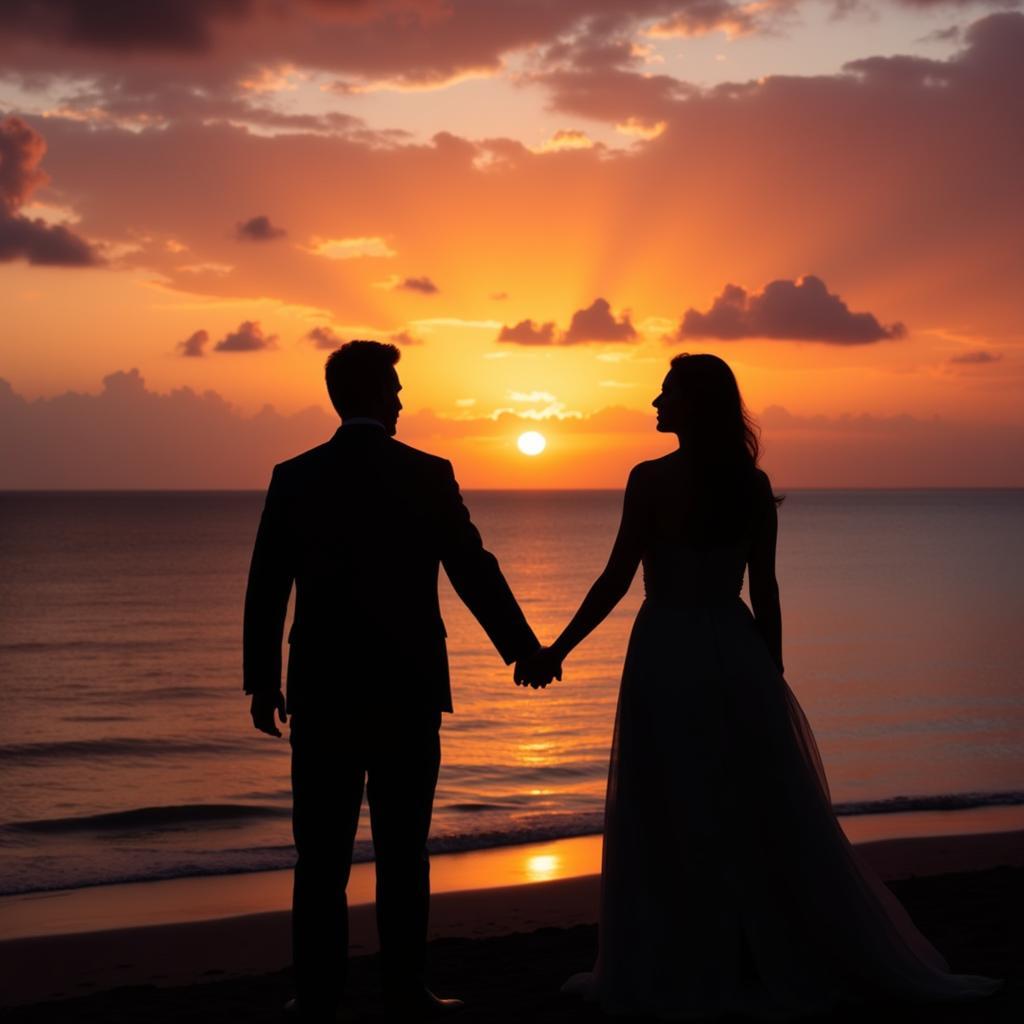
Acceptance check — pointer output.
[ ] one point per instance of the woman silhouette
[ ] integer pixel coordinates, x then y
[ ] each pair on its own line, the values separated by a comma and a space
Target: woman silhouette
727, 885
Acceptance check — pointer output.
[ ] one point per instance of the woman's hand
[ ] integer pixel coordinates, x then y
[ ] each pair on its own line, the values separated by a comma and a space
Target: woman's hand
538, 669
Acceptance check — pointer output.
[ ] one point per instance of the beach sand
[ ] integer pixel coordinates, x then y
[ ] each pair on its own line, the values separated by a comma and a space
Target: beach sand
505, 950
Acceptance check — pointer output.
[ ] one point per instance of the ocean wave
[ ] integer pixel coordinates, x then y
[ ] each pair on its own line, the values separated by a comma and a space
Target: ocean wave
148, 818
470, 808
126, 746
140, 865
152, 865
938, 802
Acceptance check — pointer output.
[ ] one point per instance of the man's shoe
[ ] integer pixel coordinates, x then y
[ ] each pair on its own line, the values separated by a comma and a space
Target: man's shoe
421, 1002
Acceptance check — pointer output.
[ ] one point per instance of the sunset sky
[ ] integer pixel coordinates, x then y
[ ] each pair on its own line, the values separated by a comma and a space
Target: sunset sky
541, 201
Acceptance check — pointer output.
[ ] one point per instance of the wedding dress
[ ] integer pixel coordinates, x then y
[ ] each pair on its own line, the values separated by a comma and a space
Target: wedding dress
727, 884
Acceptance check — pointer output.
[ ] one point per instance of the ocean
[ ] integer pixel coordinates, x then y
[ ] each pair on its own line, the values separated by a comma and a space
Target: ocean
128, 753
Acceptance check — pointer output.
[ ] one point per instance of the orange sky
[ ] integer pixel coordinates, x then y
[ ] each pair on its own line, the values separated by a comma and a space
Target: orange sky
542, 202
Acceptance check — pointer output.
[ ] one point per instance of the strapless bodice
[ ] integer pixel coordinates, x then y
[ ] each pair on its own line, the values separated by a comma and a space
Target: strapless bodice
680, 574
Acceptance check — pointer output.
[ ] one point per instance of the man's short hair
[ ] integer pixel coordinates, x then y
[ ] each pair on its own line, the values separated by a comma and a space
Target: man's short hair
357, 372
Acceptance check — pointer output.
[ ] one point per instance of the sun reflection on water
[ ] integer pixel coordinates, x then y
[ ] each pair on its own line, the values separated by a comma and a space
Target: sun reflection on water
542, 867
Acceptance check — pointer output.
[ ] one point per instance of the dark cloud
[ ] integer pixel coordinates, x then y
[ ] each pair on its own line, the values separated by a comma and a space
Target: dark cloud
259, 229
203, 50
121, 25
935, 4
43, 244
802, 310
21, 151
194, 344
526, 332
249, 337
130, 437
596, 323
798, 158
979, 357
614, 94
423, 285
593, 324
32, 239
943, 35
324, 337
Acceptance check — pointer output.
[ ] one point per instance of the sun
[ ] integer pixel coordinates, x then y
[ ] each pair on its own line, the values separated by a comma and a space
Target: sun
532, 443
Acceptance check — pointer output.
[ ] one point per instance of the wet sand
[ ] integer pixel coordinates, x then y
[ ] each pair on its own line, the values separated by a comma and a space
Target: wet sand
506, 950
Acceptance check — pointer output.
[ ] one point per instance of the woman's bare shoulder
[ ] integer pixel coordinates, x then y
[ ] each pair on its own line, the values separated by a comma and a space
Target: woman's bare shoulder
649, 473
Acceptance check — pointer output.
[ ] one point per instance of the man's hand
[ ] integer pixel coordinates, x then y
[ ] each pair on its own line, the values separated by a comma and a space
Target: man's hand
263, 707
538, 669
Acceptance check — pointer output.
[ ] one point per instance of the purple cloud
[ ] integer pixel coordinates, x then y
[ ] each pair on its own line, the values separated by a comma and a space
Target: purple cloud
979, 357
417, 284
596, 323
323, 337
249, 337
194, 344
526, 332
802, 310
259, 229
21, 151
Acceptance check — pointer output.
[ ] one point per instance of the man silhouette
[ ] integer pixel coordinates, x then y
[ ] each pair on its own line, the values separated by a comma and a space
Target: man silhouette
360, 525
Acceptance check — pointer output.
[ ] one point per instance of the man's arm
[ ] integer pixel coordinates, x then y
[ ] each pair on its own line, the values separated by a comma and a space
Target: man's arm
271, 575
477, 578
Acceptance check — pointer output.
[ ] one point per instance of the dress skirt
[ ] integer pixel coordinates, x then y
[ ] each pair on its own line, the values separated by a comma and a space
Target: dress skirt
727, 883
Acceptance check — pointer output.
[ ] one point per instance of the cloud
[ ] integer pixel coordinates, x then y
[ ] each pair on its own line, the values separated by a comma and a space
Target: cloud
21, 151
897, 450
596, 323
593, 324
194, 344
802, 310
156, 25
31, 239
211, 47
532, 396
426, 424
790, 164
565, 139
405, 338
326, 338
351, 248
979, 357
259, 229
323, 337
128, 436
526, 332
249, 337
423, 285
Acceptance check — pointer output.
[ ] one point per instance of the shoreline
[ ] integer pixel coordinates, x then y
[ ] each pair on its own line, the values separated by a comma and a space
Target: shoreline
54, 966
204, 897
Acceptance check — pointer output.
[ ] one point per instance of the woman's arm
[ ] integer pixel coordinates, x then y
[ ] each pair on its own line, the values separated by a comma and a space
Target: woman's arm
614, 581
764, 587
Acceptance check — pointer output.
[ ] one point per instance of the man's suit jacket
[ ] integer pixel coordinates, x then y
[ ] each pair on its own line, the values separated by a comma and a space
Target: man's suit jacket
360, 525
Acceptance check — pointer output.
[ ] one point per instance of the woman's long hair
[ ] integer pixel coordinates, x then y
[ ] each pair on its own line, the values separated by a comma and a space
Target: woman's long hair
720, 446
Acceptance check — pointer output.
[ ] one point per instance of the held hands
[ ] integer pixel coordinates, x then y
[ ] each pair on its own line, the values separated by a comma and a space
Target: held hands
537, 670
262, 709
